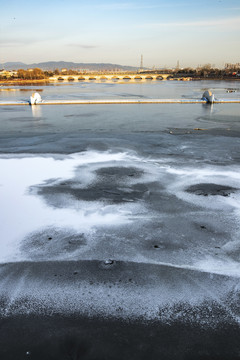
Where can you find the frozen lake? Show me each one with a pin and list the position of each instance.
(155, 189)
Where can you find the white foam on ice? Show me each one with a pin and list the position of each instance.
(224, 176)
(221, 266)
(22, 213)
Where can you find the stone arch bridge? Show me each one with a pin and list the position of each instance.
(104, 77)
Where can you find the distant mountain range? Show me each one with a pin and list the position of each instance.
(52, 65)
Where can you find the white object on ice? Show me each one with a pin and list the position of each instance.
(35, 98)
(208, 96)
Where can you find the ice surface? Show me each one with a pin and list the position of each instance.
(119, 205)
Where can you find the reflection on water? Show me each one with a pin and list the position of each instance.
(208, 108)
(36, 111)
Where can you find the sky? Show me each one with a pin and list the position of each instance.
(164, 32)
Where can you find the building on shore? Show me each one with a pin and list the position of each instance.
(229, 66)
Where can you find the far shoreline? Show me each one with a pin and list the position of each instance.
(19, 82)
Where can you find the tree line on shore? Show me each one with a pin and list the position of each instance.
(201, 72)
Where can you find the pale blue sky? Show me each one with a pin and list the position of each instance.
(193, 32)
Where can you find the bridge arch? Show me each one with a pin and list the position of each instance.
(81, 78)
(60, 78)
(137, 77)
(159, 77)
(70, 78)
(148, 77)
(92, 78)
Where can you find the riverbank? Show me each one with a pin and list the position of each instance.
(19, 82)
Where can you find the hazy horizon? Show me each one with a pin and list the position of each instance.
(119, 32)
